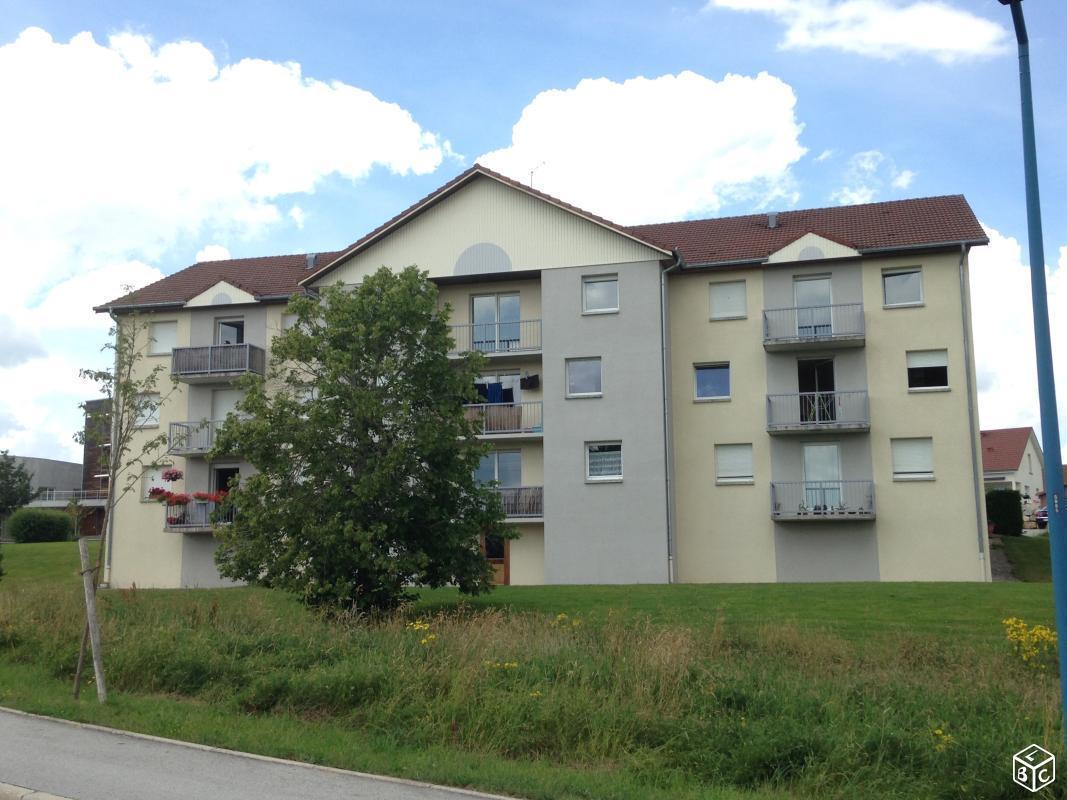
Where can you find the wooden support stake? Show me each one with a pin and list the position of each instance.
(90, 618)
(81, 660)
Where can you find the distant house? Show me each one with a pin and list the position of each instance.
(1012, 459)
(60, 482)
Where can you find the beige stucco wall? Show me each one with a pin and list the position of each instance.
(530, 234)
(527, 555)
(722, 533)
(927, 530)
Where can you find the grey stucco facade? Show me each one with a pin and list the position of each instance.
(605, 532)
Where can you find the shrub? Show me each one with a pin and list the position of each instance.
(1004, 508)
(39, 525)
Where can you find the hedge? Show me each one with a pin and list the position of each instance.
(39, 525)
(1004, 509)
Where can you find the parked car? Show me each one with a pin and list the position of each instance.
(1041, 517)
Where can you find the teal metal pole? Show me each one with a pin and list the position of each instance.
(1046, 380)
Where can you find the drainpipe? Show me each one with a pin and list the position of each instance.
(668, 455)
(976, 468)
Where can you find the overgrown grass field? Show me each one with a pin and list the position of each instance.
(828, 691)
(1029, 557)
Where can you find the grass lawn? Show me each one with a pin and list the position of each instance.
(827, 691)
(1029, 557)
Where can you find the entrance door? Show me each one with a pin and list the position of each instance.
(822, 477)
(815, 382)
(504, 467)
(813, 300)
(496, 322)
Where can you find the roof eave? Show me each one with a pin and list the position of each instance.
(952, 243)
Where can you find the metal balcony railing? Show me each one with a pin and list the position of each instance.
(822, 500)
(506, 418)
(812, 411)
(220, 360)
(813, 324)
(192, 438)
(66, 495)
(523, 502)
(523, 336)
(196, 515)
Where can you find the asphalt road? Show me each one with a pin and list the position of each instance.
(87, 763)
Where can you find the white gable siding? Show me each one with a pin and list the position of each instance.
(487, 226)
(222, 293)
(807, 247)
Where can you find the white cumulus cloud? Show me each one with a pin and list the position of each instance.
(886, 29)
(212, 252)
(119, 155)
(612, 148)
(866, 175)
(1004, 334)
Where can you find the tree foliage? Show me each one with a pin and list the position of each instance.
(365, 460)
(1004, 508)
(16, 484)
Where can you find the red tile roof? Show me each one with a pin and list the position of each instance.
(261, 277)
(874, 226)
(1002, 449)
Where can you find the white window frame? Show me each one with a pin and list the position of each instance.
(911, 475)
(220, 321)
(567, 377)
(711, 300)
(151, 421)
(735, 480)
(153, 350)
(603, 478)
(888, 273)
(697, 397)
(587, 279)
(920, 389)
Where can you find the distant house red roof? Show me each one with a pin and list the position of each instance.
(872, 226)
(1002, 449)
(928, 221)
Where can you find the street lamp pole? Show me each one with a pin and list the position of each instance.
(1046, 381)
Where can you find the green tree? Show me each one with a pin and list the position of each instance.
(365, 459)
(16, 487)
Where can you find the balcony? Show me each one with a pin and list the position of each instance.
(215, 363)
(498, 340)
(523, 503)
(507, 420)
(192, 438)
(814, 327)
(822, 501)
(195, 517)
(814, 412)
(60, 498)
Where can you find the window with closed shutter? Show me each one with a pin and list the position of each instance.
(728, 300)
(733, 463)
(927, 369)
(913, 459)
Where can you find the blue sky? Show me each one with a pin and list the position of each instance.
(860, 101)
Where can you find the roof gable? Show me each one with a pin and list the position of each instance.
(483, 222)
(222, 293)
(811, 247)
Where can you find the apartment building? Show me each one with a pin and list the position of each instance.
(774, 397)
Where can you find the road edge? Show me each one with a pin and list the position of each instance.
(33, 795)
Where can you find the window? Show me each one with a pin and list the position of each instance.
(504, 467)
(927, 369)
(913, 459)
(728, 300)
(600, 294)
(712, 381)
(903, 287)
(148, 405)
(152, 478)
(496, 325)
(733, 463)
(162, 338)
(603, 461)
(583, 377)
(288, 321)
(230, 331)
